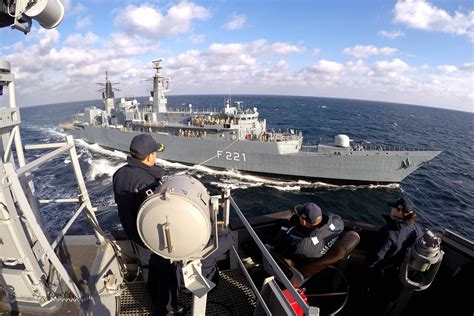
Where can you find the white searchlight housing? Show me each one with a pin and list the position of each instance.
(20, 13)
(176, 222)
(48, 13)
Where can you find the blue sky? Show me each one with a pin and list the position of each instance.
(416, 52)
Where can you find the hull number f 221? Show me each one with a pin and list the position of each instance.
(233, 156)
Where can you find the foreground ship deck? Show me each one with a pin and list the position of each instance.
(339, 289)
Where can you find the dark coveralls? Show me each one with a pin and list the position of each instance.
(301, 243)
(130, 183)
(396, 236)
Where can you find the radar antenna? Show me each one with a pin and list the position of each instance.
(107, 90)
(107, 81)
(161, 85)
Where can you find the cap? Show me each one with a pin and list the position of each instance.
(309, 212)
(144, 144)
(403, 204)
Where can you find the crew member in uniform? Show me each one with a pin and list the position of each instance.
(131, 184)
(309, 233)
(398, 234)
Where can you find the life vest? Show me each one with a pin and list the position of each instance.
(316, 242)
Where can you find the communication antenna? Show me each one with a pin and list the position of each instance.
(107, 90)
(107, 81)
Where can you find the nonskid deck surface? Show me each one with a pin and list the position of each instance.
(233, 296)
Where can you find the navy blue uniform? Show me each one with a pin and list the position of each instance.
(131, 183)
(296, 241)
(396, 237)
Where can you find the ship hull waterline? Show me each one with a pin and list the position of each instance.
(262, 158)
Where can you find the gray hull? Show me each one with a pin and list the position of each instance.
(263, 158)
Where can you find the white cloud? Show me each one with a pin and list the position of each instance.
(326, 67)
(391, 34)
(391, 67)
(281, 65)
(73, 9)
(420, 14)
(83, 22)
(197, 38)
(148, 21)
(236, 23)
(81, 40)
(447, 69)
(468, 68)
(75, 65)
(257, 48)
(281, 49)
(122, 45)
(361, 51)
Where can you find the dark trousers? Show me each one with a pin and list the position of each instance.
(162, 283)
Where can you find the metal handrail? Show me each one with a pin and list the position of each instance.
(276, 268)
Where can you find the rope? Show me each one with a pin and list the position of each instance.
(209, 159)
(427, 201)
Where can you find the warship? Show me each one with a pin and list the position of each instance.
(100, 274)
(236, 138)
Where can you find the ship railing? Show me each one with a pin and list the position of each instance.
(312, 145)
(228, 205)
(284, 138)
(27, 202)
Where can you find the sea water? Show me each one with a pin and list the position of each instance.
(441, 190)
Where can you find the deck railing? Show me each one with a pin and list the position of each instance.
(230, 205)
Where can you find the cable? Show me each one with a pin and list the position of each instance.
(430, 204)
(209, 159)
(336, 293)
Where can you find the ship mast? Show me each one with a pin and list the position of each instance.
(108, 93)
(160, 86)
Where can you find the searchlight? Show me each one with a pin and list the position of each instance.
(176, 221)
(20, 13)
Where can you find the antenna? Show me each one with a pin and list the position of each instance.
(229, 99)
(107, 83)
(157, 65)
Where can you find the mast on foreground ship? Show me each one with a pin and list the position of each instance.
(237, 139)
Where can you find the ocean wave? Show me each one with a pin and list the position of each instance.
(99, 149)
(101, 167)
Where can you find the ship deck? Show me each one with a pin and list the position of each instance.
(232, 296)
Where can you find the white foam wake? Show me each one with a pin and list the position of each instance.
(232, 179)
(101, 150)
(101, 167)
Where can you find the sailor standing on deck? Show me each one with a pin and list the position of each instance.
(398, 234)
(131, 183)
